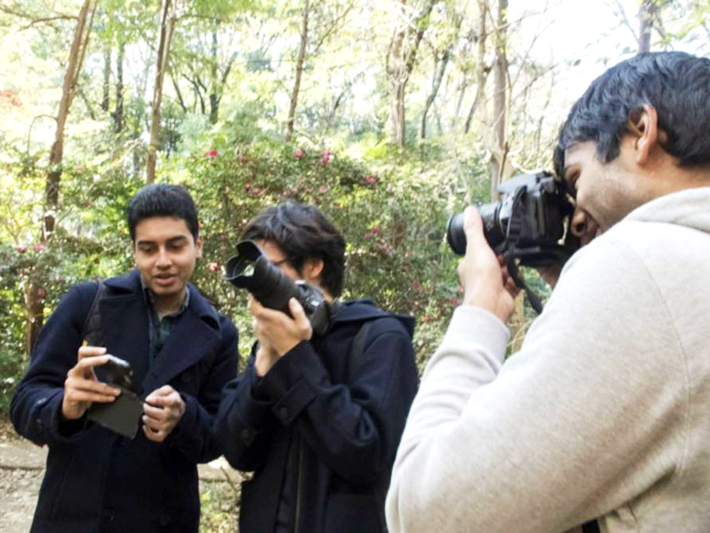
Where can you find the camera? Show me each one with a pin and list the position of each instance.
(250, 269)
(116, 372)
(530, 223)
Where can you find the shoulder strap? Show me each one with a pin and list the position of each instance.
(357, 349)
(358, 345)
(91, 332)
(590, 527)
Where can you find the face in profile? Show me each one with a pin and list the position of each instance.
(604, 192)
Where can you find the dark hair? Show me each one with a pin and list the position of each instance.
(302, 232)
(676, 84)
(162, 200)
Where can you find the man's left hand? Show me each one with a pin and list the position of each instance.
(277, 329)
(163, 409)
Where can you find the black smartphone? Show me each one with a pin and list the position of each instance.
(116, 372)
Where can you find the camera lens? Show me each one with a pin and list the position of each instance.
(455, 235)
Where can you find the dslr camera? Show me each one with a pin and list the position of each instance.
(250, 269)
(529, 223)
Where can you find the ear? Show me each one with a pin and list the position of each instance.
(312, 269)
(198, 246)
(643, 126)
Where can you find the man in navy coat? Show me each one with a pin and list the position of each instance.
(181, 351)
(317, 417)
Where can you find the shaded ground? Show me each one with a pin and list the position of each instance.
(22, 469)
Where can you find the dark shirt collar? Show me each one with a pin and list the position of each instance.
(150, 301)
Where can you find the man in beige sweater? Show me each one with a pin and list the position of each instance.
(604, 414)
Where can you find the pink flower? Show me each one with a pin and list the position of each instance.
(21, 249)
(370, 180)
(39, 247)
(368, 235)
(455, 301)
(376, 229)
(212, 153)
(416, 286)
(326, 157)
(298, 154)
(322, 189)
(213, 266)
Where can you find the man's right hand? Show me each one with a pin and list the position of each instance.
(81, 387)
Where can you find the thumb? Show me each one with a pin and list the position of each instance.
(473, 226)
(299, 315)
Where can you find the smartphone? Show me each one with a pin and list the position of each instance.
(116, 372)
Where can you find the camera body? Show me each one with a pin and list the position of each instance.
(530, 222)
(250, 269)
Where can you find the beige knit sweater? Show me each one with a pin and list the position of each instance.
(605, 411)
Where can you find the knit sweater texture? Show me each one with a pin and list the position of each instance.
(603, 413)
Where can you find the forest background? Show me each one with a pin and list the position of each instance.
(390, 115)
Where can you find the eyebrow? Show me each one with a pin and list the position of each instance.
(173, 240)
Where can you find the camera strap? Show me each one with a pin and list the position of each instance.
(515, 226)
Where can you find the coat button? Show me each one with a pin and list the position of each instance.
(109, 515)
(283, 413)
(186, 378)
(246, 434)
(39, 424)
(164, 520)
(41, 402)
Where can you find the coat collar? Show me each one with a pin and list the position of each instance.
(195, 335)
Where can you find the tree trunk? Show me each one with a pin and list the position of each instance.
(214, 82)
(76, 57)
(34, 304)
(434, 90)
(646, 15)
(481, 68)
(107, 79)
(400, 63)
(299, 72)
(118, 115)
(500, 77)
(167, 25)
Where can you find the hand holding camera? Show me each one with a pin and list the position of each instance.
(484, 276)
(82, 388)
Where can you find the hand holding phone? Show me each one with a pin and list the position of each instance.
(82, 388)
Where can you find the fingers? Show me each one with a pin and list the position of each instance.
(84, 368)
(86, 395)
(158, 394)
(154, 435)
(299, 314)
(473, 224)
(90, 351)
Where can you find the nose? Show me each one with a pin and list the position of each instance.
(163, 260)
(584, 226)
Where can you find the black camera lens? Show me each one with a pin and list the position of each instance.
(455, 235)
(251, 270)
(493, 228)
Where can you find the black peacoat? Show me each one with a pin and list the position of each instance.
(96, 480)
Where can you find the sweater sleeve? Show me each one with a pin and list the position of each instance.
(586, 416)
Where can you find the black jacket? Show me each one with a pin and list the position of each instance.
(324, 425)
(95, 479)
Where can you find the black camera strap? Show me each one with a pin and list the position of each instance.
(515, 227)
